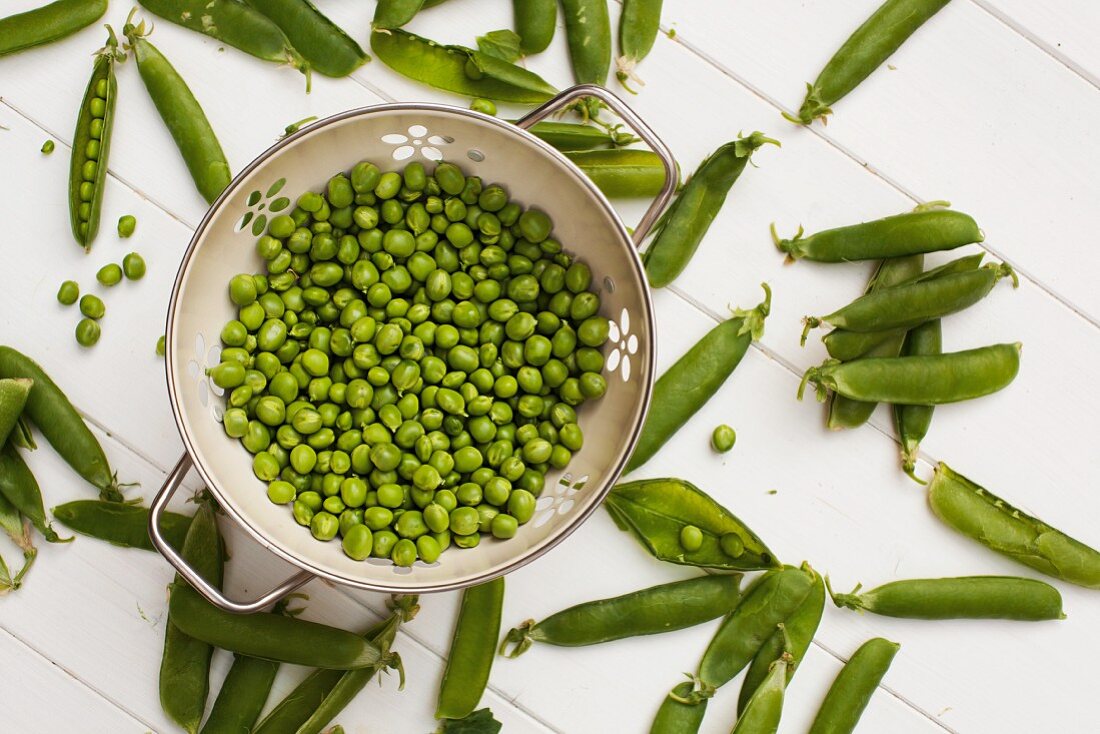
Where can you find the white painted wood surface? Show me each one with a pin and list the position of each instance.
(991, 106)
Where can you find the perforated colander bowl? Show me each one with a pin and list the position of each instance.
(390, 135)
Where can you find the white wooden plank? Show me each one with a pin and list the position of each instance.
(1063, 28)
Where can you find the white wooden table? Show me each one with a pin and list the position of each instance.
(993, 106)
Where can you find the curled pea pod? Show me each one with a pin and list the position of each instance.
(48, 23)
(688, 384)
(864, 51)
(659, 513)
(676, 717)
(19, 486)
(325, 46)
(650, 611)
(242, 696)
(979, 514)
(458, 69)
(13, 398)
(853, 687)
(639, 25)
(535, 21)
(472, 649)
(910, 233)
(91, 144)
(120, 524)
(912, 421)
(622, 174)
(573, 136)
(968, 597)
(684, 224)
(21, 435)
(182, 115)
(763, 711)
(57, 419)
(18, 528)
(588, 31)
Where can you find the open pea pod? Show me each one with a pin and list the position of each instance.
(656, 511)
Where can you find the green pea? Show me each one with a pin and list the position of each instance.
(242, 289)
(384, 542)
(334, 505)
(691, 538)
(592, 384)
(504, 526)
(732, 545)
(358, 542)
(485, 107)
(324, 526)
(303, 514)
(521, 505)
(68, 293)
(578, 277)
(377, 518)
(464, 521)
(87, 332)
(535, 225)
(280, 492)
(404, 552)
(235, 422)
(265, 466)
(723, 438)
(428, 548)
(467, 541)
(109, 275)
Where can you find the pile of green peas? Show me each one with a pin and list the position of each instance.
(409, 367)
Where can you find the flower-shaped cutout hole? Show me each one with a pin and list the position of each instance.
(626, 344)
(417, 139)
(560, 501)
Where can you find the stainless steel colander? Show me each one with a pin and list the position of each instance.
(497, 151)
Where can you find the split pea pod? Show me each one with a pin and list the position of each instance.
(922, 380)
(909, 233)
(912, 421)
(639, 25)
(120, 524)
(48, 23)
(979, 514)
(573, 136)
(664, 608)
(622, 174)
(18, 528)
(864, 51)
(91, 144)
(688, 384)
(968, 597)
(762, 712)
(588, 31)
(185, 664)
(327, 48)
(686, 221)
(182, 115)
(535, 21)
(853, 687)
(658, 511)
(676, 717)
(242, 696)
(57, 419)
(21, 435)
(472, 649)
(21, 489)
(13, 398)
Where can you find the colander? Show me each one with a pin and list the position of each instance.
(533, 173)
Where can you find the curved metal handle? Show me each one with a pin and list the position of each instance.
(210, 592)
(637, 125)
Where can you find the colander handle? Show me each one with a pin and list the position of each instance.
(645, 132)
(210, 592)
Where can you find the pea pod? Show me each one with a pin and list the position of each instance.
(763, 711)
(588, 31)
(459, 69)
(182, 115)
(472, 649)
(684, 224)
(120, 524)
(864, 51)
(854, 685)
(638, 28)
(13, 397)
(18, 528)
(91, 144)
(21, 435)
(655, 511)
(676, 717)
(979, 514)
(968, 597)
(19, 486)
(573, 136)
(535, 21)
(622, 173)
(688, 384)
(298, 705)
(48, 23)
(242, 696)
(327, 48)
(650, 611)
(912, 421)
(390, 14)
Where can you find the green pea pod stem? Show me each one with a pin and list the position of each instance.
(19, 486)
(767, 603)
(676, 717)
(21, 435)
(864, 51)
(18, 528)
(327, 48)
(185, 664)
(622, 174)
(656, 510)
(913, 421)
(688, 384)
(182, 115)
(57, 419)
(234, 23)
(269, 636)
(573, 136)
(446, 67)
(684, 224)
(242, 696)
(979, 514)
(921, 380)
(797, 634)
(763, 711)
(120, 524)
(535, 21)
(588, 31)
(853, 687)
(967, 597)
(638, 28)
(906, 306)
(472, 650)
(650, 611)
(48, 23)
(13, 397)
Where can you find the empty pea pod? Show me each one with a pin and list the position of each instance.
(639, 25)
(684, 224)
(979, 514)
(574, 136)
(48, 23)
(13, 397)
(968, 597)
(857, 681)
(656, 511)
(676, 717)
(912, 421)
(762, 713)
(472, 649)
(327, 48)
(921, 380)
(864, 51)
(650, 611)
(120, 524)
(18, 529)
(19, 486)
(535, 22)
(182, 115)
(622, 174)
(588, 31)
